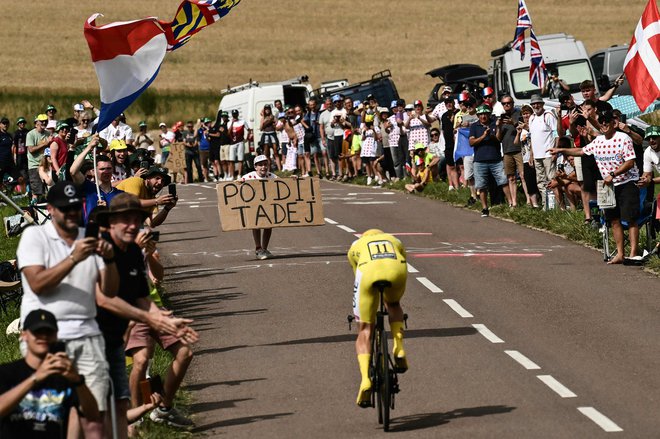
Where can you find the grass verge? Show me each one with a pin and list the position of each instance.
(568, 224)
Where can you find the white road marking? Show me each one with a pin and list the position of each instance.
(556, 386)
(522, 360)
(412, 269)
(369, 193)
(458, 308)
(200, 199)
(345, 228)
(194, 206)
(430, 285)
(370, 202)
(329, 221)
(600, 419)
(487, 333)
(198, 193)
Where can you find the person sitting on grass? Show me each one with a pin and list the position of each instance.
(420, 176)
(566, 178)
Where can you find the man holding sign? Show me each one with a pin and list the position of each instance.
(261, 172)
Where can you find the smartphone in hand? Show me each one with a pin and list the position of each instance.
(92, 230)
(171, 188)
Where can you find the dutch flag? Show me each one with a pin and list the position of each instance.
(127, 57)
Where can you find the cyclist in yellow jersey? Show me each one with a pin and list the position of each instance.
(377, 256)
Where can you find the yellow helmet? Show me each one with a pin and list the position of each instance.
(372, 232)
(368, 118)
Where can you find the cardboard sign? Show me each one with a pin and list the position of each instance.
(281, 202)
(176, 161)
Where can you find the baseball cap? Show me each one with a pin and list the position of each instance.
(487, 91)
(142, 123)
(40, 319)
(162, 124)
(370, 97)
(419, 103)
(20, 120)
(464, 96)
(409, 107)
(64, 194)
(281, 115)
(336, 98)
(51, 107)
(156, 170)
(46, 152)
(419, 146)
(61, 126)
(234, 112)
(78, 107)
(383, 110)
(446, 89)
(393, 104)
(4, 120)
(368, 118)
(42, 117)
(118, 145)
(652, 131)
(206, 120)
(483, 109)
(260, 158)
(122, 203)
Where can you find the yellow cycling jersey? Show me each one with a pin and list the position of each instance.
(376, 257)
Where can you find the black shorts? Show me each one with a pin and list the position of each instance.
(590, 173)
(367, 159)
(214, 153)
(449, 154)
(627, 203)
(36, 185)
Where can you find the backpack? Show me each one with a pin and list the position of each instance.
(8, 272)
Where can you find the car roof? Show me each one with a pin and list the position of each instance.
(458, 72)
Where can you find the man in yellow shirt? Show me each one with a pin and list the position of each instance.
(146, 188)
(377, 256)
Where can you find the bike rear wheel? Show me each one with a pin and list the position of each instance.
(377, 379)
(385, 393)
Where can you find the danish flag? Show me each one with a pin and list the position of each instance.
(641, 66)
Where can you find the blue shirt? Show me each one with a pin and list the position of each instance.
(204, 144)
(489, 148)
(92, 200)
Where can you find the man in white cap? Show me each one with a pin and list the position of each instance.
(261, 172)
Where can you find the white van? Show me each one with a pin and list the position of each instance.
(561, 52)
(249, 99)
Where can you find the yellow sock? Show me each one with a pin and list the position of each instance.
(363, 361)
(397, 335)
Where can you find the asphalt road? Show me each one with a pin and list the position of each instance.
(512, 332)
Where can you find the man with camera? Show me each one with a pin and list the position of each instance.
(512, 153)
(36, 141)
(101, 191)
(554, 87)
(38, 391)
(123, 220)
(61, 268)
(146, 188)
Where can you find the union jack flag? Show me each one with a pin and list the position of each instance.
(524, 22)
(538, 73)
(193, 16)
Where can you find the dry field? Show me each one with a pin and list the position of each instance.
(44, 49)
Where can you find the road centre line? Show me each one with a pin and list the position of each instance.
(477, 255)
(198, 193)
(329, 221)
(412, 269)
(345, 228)
(458, 308)
(430, 285)
(370, 202)
(522, 360)
(350, 194)
(556, 386)
(600, 419)
(487, 333)
(194, 206)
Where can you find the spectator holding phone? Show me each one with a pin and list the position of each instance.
(61, 268)
(554, 86)
(146, 188)
(123, 220)
(38, 391)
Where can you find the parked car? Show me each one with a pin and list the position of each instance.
(381, 85)
(608, 66)
(561, 52)
(459, 77)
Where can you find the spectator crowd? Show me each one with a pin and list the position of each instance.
(92, 276)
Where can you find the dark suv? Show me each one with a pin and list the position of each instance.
(459, 77)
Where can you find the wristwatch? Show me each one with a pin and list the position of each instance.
(612, 174)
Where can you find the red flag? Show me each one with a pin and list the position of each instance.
(641, 66)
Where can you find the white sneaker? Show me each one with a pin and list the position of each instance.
(369, 181)
(171, 417)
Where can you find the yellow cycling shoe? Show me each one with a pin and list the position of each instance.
(364, 397)
(400, 364)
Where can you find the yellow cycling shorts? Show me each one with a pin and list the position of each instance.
(365, 296)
